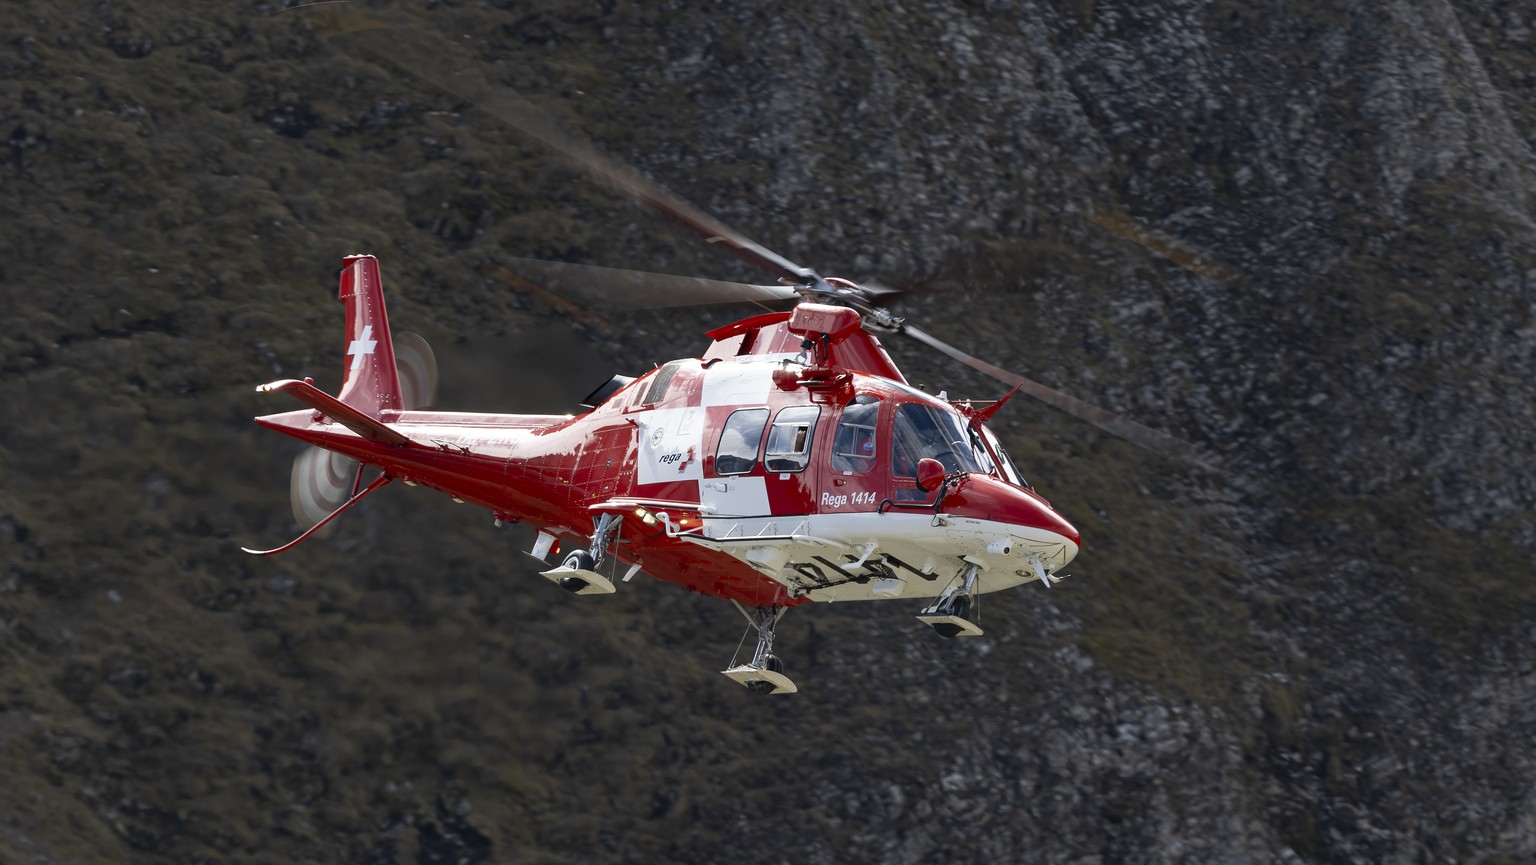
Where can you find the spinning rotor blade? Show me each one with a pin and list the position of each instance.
(878, 290)
(1108, 421)
(320, 483)
(1117, 222)
(416, 366)
(616, 289)
(518, 113)
(386, 44)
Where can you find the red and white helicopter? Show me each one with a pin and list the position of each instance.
(791, 462)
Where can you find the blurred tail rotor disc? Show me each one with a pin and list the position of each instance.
(322, 481)
(417, 366)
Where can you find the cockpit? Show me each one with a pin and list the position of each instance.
(916, 430)
(878, 437)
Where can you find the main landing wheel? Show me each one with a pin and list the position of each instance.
(576, 560)
(577, 573)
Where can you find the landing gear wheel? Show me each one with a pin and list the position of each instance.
(577, 574)
(959, 606)
(765, 673)
(948, 625)
(947, 630)
(950, 615)
(761, 680)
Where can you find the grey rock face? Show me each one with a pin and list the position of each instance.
(1297, 235)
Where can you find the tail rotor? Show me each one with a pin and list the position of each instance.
(417, 368)
(323, 480)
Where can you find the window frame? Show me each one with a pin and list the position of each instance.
(757, 447)
(1005, 464)
(872, 458)
(941, 421)
(804, 453)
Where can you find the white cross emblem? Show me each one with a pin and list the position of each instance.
(361, 347)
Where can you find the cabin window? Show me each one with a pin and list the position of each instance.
(923, 431)
(789, 439)
(743, 432)
(853, 447)
(658, 389)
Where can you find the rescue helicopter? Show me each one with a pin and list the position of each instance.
(789, 463)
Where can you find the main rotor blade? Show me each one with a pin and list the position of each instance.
(1135, 433)
(1118, 222)
(519, 114)
(878, 292)
(609, 288)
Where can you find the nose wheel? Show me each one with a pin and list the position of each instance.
(765, 673)
(950, 615)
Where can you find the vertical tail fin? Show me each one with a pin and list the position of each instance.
(370, 383)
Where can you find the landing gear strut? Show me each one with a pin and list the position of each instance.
(577, 572)
(765, 674)
(949, 615)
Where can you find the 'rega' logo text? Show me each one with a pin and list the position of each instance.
(855, 498)
(683, 460)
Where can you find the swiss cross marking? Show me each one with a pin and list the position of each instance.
(361, 347)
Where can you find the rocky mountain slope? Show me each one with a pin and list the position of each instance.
(1300, 236)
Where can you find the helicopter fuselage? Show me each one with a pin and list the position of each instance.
(779, 468)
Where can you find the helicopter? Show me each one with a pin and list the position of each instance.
(791, 462)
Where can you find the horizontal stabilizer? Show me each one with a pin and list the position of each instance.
(333, 408)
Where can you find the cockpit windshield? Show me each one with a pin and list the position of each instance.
(1010, 471)
(979, 450)
(925, 431)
